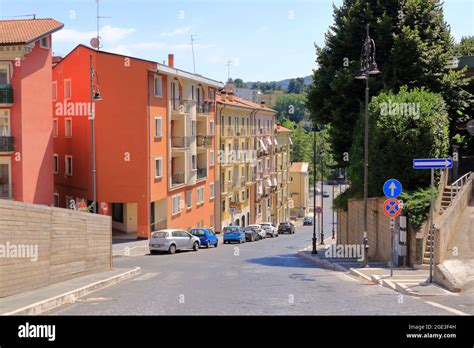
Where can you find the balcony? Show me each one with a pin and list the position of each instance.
(204, 141)
(205, 108)
(230, 131)
(6, 144)
(201, 173)
(177, 179)
(6, 191)
(181, 106)
(6, 95)
(180, 143)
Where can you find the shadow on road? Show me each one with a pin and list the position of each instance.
(283, 260)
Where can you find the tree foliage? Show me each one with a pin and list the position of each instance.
(292, 107)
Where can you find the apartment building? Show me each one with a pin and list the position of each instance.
(282, 201)
(236, 159)
(152, 127)
(299, 189)
(26, 149)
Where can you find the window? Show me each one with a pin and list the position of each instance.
(4, 122)
(200, 195)
(55, 90)
(211, 190)
(211, 128)
(69, 165)
(4, 74)
(158, 167)
(44, 42)
(212, 94)
(193, 162)
(158, 86)
(56, 163)
(176, 202)
(223, 206)
(68, 127)
(158, 127)
(117, 212)
(67, 89)
(193, 127)
(56, 200)
(189, 199)
(222, 124)
(211, 157)
(55, 128)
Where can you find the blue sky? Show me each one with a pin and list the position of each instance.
(265, 39)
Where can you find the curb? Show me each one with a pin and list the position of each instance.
(324, 263)
(355, 272)
(72, 296)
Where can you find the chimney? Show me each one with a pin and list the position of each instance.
(171, 60)
(223, 95)
(262, 104)
(230, 95)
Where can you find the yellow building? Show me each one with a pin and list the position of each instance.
(282, 202)
(299, 188)
(235, 160)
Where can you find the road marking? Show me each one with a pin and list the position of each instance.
(449, 309)
(145, 276)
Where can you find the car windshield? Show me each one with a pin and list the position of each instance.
(198, 233)
(284, 224)
(159, 234)
(231, 229)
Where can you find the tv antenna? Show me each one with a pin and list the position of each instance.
(192, 48)
(96, 41)
(228, 65)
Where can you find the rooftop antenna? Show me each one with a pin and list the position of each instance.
(95, 42)
(229, 63)
(33, 16)
(192, 47)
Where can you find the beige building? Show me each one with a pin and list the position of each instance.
(282, 202)
(299, 188)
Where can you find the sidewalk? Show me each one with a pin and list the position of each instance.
(407, 281)
(44, 299)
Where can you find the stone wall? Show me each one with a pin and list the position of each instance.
(68, 244)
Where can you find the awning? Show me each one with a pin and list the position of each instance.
(263, 145)
(290, 140)
(275, 183)
(275, 141)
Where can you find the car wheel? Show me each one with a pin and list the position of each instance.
(217, 243)
(196, 246)
(208, 244)
(172, 249)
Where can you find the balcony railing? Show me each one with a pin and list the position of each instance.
(182, 106)
(201, 173)
(180, 142)
(205, 107)
(6, 95)
(204, 140)
(230, 131)
(177, 179)
(6, 191)
(6, 144)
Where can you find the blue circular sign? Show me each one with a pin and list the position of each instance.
(392, 188)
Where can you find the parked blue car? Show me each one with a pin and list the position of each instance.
(234, 234)
(206, 236)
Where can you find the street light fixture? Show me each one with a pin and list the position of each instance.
(368, 67)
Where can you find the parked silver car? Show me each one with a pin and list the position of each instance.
(269, 229)
(261, 232)
(172, 240)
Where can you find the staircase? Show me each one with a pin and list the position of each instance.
(449, 193)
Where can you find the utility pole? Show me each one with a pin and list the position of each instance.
(229, 63)
(192, 48)
(315, 251)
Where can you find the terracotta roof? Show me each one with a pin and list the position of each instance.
(25, 31)
(237, 101)
(299, 167)
(281, 129)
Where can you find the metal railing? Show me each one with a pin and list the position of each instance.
(204, 140)
(201, 173)
(180, 142)
(6, 191)
(6, 95)
(458, 185)
(177, 179)
(6, 144)
(182, 106)
(206, 107)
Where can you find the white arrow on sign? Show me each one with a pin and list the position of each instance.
(392, 188)
(432, 163)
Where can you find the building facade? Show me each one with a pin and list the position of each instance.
(26, 149)
(282, 202)
(299, 189)
(152, 140)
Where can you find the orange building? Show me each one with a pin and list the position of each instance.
(153, 139)
(26, 161)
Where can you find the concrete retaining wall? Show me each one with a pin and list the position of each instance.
(68, 244)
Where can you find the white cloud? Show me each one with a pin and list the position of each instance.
(149, 45)
(178, 31)
(110, 35)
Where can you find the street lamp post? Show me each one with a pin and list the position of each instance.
(368, 67)
(95, 96)
(333, 219)
(315, 251)
(321, 156)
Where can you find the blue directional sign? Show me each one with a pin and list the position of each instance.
(432, 163)
(392, 188)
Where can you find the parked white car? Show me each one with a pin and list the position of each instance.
(261, 232)
(171, 240)
(269, 229)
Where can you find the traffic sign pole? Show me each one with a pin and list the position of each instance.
(392, 225)
(431, 226)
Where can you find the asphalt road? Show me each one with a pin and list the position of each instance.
(260, 278)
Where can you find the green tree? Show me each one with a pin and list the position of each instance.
(413, 47)
(239, 83)
(292, 107)
(296, 85)
(465, 47)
